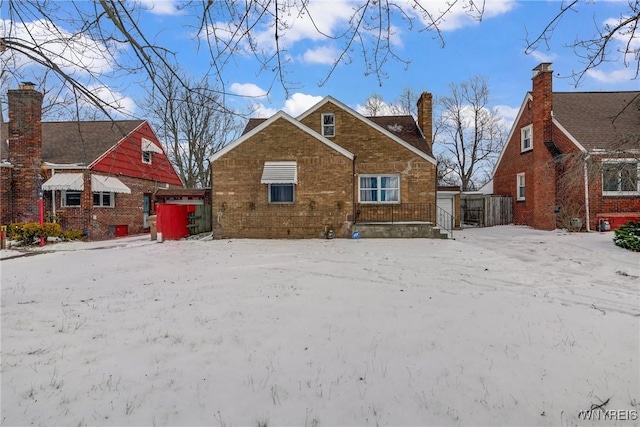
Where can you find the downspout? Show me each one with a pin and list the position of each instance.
(586, 192)
(53, 199)
(353, 190)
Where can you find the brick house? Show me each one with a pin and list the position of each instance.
(572, 158)
(289, 177)
(98, 177)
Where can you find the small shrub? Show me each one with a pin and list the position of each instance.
(72, 234)
(28, 232)
(628, 236)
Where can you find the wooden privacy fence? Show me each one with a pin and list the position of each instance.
(487, 210)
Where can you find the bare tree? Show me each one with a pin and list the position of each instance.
(615, 40)
(467, 132)
(406, 103)
(89, 44)
(192, 125)
(375, 106)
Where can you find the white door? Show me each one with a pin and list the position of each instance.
(445, 213)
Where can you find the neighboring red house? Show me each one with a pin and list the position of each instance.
(572, 158)
(330, 171)
(98, 177)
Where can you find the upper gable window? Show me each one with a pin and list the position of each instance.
(146, 157)
(328, 124)
(526, 138)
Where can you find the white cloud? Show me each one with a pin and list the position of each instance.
(161, 7)
(119, 104)
(462, 13)
(543, 57)
(248, 89)
(72, 52)
(507, 114)
(321, 55)
(298, 103)
(262, 112)
(383, 109)
(615, 76)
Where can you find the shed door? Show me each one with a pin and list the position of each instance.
(445, 205)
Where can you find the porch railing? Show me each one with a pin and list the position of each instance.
(445, 220)
(397, 212)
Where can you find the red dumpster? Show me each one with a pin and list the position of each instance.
(172, 221)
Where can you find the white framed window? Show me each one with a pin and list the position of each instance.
(379, 188)
(328, 124)
(147, 157)
(282, 193)
(520, 186)
(526, 138)
(103, 199)
(620, 177)
(71, 198)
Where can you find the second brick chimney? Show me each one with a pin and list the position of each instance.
(425, 117)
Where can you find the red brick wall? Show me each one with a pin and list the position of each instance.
(100, 222)
(25, 152)
(6, 195)
(600, 204)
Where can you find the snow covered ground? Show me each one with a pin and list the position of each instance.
(502, 326)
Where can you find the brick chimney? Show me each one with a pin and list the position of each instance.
(543, 167)
(543, 99)
(25, 150)
(425, 117)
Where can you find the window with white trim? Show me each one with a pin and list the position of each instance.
(520, 186)
(103, 199)
(379, 188)
(526, 138)
(71, 198)
(281, 193)
(620, 177)
(147, 157)
(328, 124)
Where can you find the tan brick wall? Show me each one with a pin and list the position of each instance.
(323, 194)
(378, 154)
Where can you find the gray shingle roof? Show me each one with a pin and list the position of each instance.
(403, 127)
(598, 120)
(79, 142)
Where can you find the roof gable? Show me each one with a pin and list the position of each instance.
(380, 123)
(82, 142)
(258, 126)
